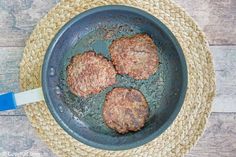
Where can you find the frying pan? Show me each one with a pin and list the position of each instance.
(80, 117)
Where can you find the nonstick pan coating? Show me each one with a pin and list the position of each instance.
(94, 30)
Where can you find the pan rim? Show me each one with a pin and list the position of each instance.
(56, 116)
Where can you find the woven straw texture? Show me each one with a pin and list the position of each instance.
(190, 122)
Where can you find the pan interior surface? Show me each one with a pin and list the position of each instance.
(95, 30)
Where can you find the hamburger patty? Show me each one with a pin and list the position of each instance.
(125, 110)
(89, 73)
(135, 56)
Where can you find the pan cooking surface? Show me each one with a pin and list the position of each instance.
(95, 30)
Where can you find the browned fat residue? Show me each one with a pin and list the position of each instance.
(109, 34)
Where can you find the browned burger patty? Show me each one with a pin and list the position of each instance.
(89, 73)
(135, 56)
(125, 110)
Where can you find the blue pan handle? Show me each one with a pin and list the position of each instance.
(11, 101)
(7, 102)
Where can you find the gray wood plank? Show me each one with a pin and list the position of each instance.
(18, 18)
(9, 73)
(219, 138)
(224, 58)
(9, 69)
(217, 18)
(18, 139)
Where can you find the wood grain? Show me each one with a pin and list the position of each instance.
(216, 18)
(9, 69)
(219, 138)
(9, 73)
(224, 58)
(18, 139)
(18, 18)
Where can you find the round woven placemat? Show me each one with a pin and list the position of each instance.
(190, 122)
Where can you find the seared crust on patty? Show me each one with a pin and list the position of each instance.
(125, 110)
(135, 56)
(89, 73)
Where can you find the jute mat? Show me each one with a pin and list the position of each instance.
(191, 120)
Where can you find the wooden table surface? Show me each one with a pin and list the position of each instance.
(217, 18)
